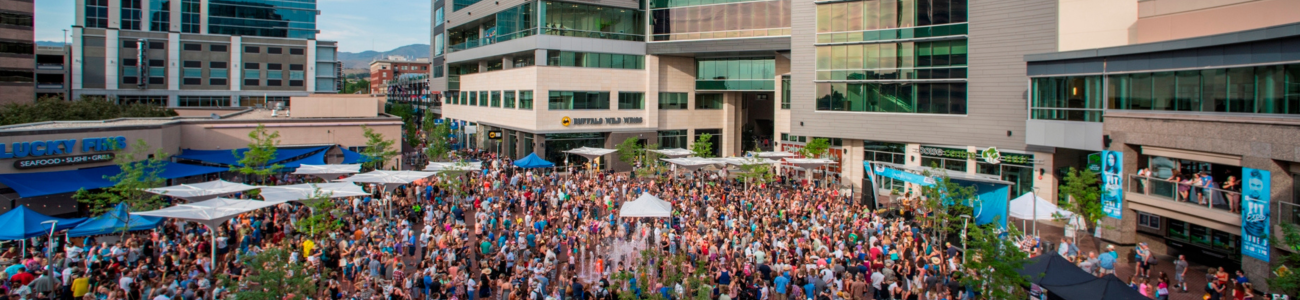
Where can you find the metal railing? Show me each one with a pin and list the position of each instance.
(1288, 212)
(1183, 192)
(470, 44)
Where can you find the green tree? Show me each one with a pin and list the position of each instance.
(357, 87)
(756, 173)
(438, 138)
(322, 218)
(993, 262)
(1081, 188)
(703, 146)
(945, 201)
(85, 109)
(650, 162)
(140, 171)
(378, 150)
(629, 151)
(815, 148)
(262, 147)
(1287, 279)
(273, 277)
(410, 133)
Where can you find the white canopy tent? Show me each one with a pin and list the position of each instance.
(646, 206)
(809, 163)
(299, 192)
(328, 172)
(203, 190)
(211, 213)
(673, 152)
(1030, 207)
(772, 154)
(693, 163)
(745, 161)
(390, 179)
(454, 166)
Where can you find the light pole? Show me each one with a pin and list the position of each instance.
(965, 221)
(49, 254)
(1035, 211)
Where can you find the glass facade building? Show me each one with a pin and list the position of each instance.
(160, 15)
(592, 21)
(131, 14)
(678, 20)
(736, 74)
(268, 18)
(97, 13)
(594, 60)
(190, 10)
(1071, 98)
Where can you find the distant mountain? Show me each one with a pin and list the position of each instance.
(49, 43)
(362, 60)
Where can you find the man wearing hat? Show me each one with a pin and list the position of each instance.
(1107, 260)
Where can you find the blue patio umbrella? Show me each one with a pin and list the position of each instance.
(22, 222)
(115, 221)
(532, 161)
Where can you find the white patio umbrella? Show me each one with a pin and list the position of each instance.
(772, 154)
(299, 192)
(745, 161)
(211, 213)
(454, 166)
(693, 163)
(590, 153)
(673, 152)
(390, 179)
(809, 163)
(328, 172)
(202, 191)
(646, 206)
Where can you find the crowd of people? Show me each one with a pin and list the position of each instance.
(517, 234)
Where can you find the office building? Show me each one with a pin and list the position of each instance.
(52, 72)
(1202, 98)
(17, 51)
(223, 53)
(382, 71)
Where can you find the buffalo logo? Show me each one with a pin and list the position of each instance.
(566, 121)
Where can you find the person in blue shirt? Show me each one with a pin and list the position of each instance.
(780, 285)
(1107, 260)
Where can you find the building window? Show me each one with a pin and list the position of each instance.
(297, 75)
(160, 15)
(157, 45)
(483, 98)
(592, 21)
(131, 14)
(295, 67)
(631, 100)
(785, 92)
(17, 75)
(729, 20)
(150, 100)
(1066, 98)
(17, 47)
(716, 139)
(437, 16)
(1149, 221)
(673, 139)
(252, 49)
(496, 98)
(673, 100)
(193, 47)
(594, 60)
(522, 61)
(218, 64)
(252, 66)
(1271, 89)
(203, 101)
(928, 98)
(296, 51)
(736, 74)
(566, 100)
(218, 73)
(274, 50)
(25, 20)
(282, 19)
(473, 98)
(274, 66)
(889, 20)
(708, 101)
(274, 82)
(190, 16)
(97, 13)
(892, 61)
(192, 64)
(295, 83)
(526, 100)
(509, 99)
(218, 48)
(438, 43)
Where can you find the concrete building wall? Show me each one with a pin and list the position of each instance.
(1087, 24)
(334, 107)
(18, 92)
(1163, 20)
(234, 135)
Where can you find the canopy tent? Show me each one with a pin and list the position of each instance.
(772, 154)
(49, 183)
(22, 222)
(991, 195)
(1050, 270)
(203, 190)
(646, 206)
(231, 157)
(673, 152)
(352, 157)
(328, 172)
(299, 192)
(211, 213)
(390, 179)
(809, 163)
(590, 153)
(1030, 207)
(114, 221)
(693, 163)
(532, 161)
(454, 166)
(744, 161)
(317, 158)
(1108, 287)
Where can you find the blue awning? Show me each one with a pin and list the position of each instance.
(315, 159)
(352, 157)
(49, 183)
(228, 157)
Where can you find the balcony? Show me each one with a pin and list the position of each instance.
(470, 44)
(58, 66)
(57, 86)
(1184, 192)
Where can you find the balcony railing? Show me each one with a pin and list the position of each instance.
(1191, 193)
(58, 66)
(492, 40)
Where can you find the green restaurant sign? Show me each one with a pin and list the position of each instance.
(989, 155)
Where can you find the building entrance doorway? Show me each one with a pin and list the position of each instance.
(757, 129)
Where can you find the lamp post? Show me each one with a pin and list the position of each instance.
(1035, 210)
(965, 221)
(49, 254)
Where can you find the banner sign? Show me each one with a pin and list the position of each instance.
(62, 161)
(1255, 213)
(1112, 188)
(989, 155)
(904, 176)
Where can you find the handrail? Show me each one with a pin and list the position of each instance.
(1194, 193)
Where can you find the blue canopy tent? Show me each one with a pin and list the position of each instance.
(22, 222)
(532, 161)
(352, 157)
(49, 183)
(115, 221)
(228, 157)
(992, 195)
(315, 159)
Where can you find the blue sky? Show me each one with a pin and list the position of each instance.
(358, 25)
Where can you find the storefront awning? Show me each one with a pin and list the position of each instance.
(315, 159)
(49, 183)
(352, 157)
(228, 157)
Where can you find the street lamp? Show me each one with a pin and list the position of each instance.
(965, 221)
(1035, 211)
(49, 254)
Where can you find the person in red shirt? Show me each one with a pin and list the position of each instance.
(23, 276)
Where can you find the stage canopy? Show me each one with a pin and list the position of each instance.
(22, 222)
(744, 161)
(328, 172)
(673, 152)
(1069, 282)
(646, 206)
(202, 191)
(117, 220)
(590, 153)
(49, 183)
(211, 213)
(532, 161)
(992, 194)
(299, 192)
(1023, 208)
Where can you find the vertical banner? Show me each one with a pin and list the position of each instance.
(1112, 188)
(1255, 213)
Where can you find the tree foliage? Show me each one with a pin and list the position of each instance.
(261, 150)
(86, 109)
(650, 164)
(437, 138)
(322, 218)
(356, 87)
(815, 148)
(756, 173)
(945, 202)
(993, 262)
(703, 146)
(378, 150)
(630, 150)
(410, 132)
(273, 277)
(1084, 195)
(140, 171)
(1287, 280)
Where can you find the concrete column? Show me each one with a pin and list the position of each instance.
(203, 16)
(111, 57)
(730, 123)
(539, 145)
(174, 60)
(175, 22)
(972, 164)
(78, 54)
(145, 17)
(237, 65)
(652, 91)
(309, 76)
(1046, 183)
(115, 14)
(913, 155)
(851, 171)
(539, 57)
(507, 63)
(80, 17)
(1122, 232)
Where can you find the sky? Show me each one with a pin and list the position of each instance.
(358, 25)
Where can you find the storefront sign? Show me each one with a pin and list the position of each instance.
(60, 147)
(1112, 176)
(566, 121)
(1094, 162)
(990, 155)
(1255, 213)
(62, 161)
(494, 134)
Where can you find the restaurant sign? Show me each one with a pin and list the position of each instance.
(990, 155)
(566, 121)
(62, 161)
(60, 147)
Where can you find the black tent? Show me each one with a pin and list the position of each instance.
(1065, 280)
